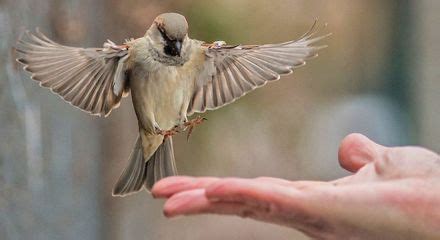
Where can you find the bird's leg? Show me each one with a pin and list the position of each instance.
(189, 125)
(168, 133)
(185, 126)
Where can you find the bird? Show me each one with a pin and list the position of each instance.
(170, 77)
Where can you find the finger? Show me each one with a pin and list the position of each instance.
(356, 151)
(195, 202)
(365, 174)
(274, 203)
(272, 180)
(250, 198)
(252, 192)
(186, 202)
(172, 185)
(304, 185)
(296, 184)
(343, 180)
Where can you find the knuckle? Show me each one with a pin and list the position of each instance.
(384, 161)
(397, 161)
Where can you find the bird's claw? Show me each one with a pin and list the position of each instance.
(168, 133)
(186, 126)
(189, 125)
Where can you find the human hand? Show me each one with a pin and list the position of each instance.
(394, 194)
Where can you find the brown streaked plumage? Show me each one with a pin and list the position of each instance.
(170, 77)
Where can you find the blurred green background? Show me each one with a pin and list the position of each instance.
(379, 76)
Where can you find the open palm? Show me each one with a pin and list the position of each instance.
(394, 193)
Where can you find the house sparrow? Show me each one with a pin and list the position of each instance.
(170, 77)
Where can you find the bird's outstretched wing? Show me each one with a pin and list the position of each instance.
(230, 72)
(92, 79)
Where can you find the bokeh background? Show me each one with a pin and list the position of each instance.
(379, 76)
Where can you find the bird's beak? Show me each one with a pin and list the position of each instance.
(173, 48)
(178, 47)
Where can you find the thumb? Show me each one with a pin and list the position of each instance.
(356, 150)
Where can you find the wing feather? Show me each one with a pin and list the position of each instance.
(92, 79)
(230, 72)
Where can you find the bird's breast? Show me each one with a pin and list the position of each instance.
(160, 96)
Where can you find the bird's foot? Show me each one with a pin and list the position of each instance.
(186, 126)
(168, 133)
(189, 125)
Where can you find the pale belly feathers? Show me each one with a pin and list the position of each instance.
(160, 98)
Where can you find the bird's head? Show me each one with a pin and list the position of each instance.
(169, 37)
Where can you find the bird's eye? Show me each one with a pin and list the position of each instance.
(164, 35)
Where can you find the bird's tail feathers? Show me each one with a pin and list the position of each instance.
(140, 173)
(162, 164)
(132, 178)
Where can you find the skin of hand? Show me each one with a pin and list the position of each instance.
(394, 193)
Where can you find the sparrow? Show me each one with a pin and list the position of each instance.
(170, 77)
